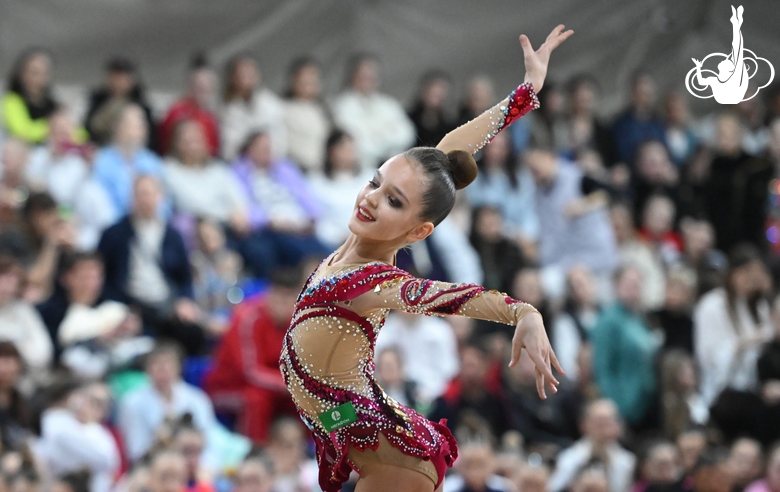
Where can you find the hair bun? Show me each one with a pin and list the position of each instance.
(463, 168)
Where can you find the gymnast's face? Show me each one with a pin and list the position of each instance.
(388, 207)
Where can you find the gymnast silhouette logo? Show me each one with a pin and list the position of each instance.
(730, 84)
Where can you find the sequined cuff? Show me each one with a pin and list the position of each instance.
(522, 101)
(520, 309)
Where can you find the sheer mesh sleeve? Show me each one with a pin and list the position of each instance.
(477, 133)
(431, 297)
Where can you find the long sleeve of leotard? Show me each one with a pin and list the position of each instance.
(393, 288)
(478, 132)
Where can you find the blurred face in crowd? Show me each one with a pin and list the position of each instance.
(582, 285)
(10, 282)
(481, 95)
(281, 303)
(36, 74)
(435, 93)
(489, 224)
(164, 369)
(476, 465)
(773, 470)
(622, 223)
(690, 446)
(554, 102)
(15, 153)
(259, 151)
(210, 237)
(99, 395)
(192, 148)
(306, 83)
(120, 82)
(643, 93)
(533, 479)
(253, 476)
(388, 207)
(146, 198)
(728, 135)
(629, 289)
(343, 156)
(287, 447)
(654, 163)
(676, 109)
(591, 481)
(168, 473)
(497, 151)
(245, 77)
(201, 86)
(473, 367)
(389, 369)
(189, 443)
(745, 460)
(528, 287)
(131, 128)
(10, 370)
(365, 78)
(84, 281)
(659, 216)
(60, 129)
(748, 279)
(679, 293)
(543, 166)
(583, 98)
(661, 466)
(601, 424)
(698, 237)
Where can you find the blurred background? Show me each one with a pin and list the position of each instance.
(172, 171)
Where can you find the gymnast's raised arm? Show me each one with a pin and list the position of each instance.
(475, 134)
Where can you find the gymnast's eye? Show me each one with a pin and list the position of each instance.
(394, 202)
(373, 184)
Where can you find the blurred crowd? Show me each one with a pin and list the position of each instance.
(150, 258)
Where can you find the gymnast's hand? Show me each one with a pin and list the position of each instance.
(530, 335)
(536, 61)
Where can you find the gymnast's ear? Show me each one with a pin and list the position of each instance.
(420, 232)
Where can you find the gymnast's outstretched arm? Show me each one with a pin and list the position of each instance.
(475, 134)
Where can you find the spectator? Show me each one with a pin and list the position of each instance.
(638, 122)
(107, 103)
(14, 415)
(592, 479)
(142, 411)
(572, 327)
(658, 230)
(575, 227)
(119, 164)
(199, 185)
(336, 187)
(14, 189)
(391, 376)
(246, 363)
(195, 105)
(94, 335)
(431, 122)
(167, 472)
(249, 107)
(700, 255)
(660, 469)
(585, 131)
(680, 138)
(549, 128)
(293, 470)
(602, 429)
(20, 322)
(282, 209)
(681, 403)
(624, 350)
(189, 442)
(29, 103)
(635, 252)
(655, 174)
(675, 318)
(73, 438)
(541, 422)
(216, 270)
(769, 377)
(147, 268)
(306, 118)
(415, 337)
(502, 185)
(752, 113)
(377, 121)
(760, 205)
(37, 241)
(533, 478)
(746, 461)
(475, 467)
(771, 480)
(500, 257)
(472, 401)
(730, 325)
(691, 443)
(480, 96)
(255, 474)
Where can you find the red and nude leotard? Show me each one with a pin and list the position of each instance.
(328, 354)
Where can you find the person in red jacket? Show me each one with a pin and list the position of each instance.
(195, 105)
(246, 378)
